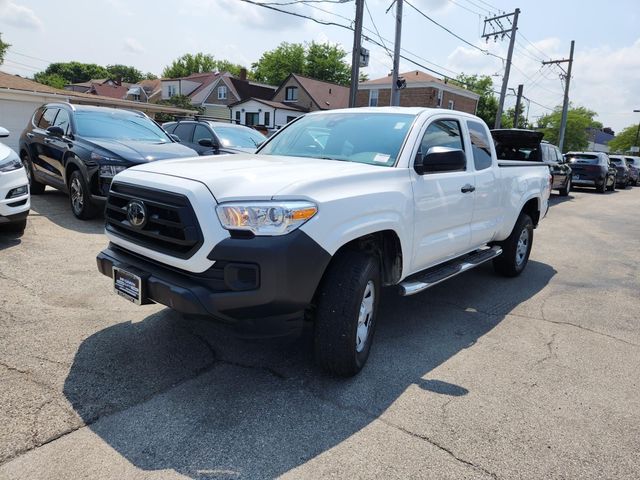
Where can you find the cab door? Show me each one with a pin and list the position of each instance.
(443, 201)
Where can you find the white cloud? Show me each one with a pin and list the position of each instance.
(133, 46)
(242, 13)
(19, 16)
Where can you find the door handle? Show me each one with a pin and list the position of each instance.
(468, 188)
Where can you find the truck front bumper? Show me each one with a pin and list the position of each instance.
(261, 285)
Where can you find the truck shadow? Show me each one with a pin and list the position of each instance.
(171, 393)
(54, 205)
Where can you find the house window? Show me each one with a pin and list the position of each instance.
(267, 118)
(238, 116)
(222, 92)
(251, 118)
(171, 91)
(135, 97)
(373, 98)
(291, 94)
(450, 104)
(439, 104)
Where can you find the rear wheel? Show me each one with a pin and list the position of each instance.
(35, 187)
(612, 187)
(346, 313)
(567, 188)
(80, 198)
(516, 248)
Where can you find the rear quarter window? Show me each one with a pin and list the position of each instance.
(480, 145)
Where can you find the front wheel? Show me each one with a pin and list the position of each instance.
(347, 305)
(80, 198)
(516, 248)
(567, 188)
(35, 187)
(612, 187)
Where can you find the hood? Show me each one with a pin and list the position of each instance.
(138, 151)
(247, 176)
(5, 151)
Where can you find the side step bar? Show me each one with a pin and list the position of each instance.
(432, 276)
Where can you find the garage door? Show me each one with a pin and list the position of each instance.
(14, 116)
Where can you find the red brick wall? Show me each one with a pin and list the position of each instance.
(419, 97)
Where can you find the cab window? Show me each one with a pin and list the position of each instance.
(442, 133)
(480, 145)
(62, 121)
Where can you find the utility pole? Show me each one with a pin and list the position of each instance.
(395, 86)
(496, 30)
(355, 54)
(565, 103)
(516, 115)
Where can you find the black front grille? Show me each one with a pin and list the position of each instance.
(171, 227)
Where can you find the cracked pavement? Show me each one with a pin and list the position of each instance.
(479, 377)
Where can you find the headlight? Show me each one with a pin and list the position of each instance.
(110, 171)
(265, 218)
(10, 163)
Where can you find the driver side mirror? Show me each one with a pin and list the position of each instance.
(440, 159)
(55, 131)
(208, 142)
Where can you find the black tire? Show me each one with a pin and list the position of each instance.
(603, 188)
(16, 227)
(511, 262)
(80, 198)
(611, 188)
(567, 188)
(341, 295)
(35, 187)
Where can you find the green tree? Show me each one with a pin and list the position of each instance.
(53, 80)
(150, 76)
(576, 137)
(189, 64)
(72, 72)
(3, 49)
(324, 62)
(625, 139)
(276, 65)
(508, 117)
(124, 73)
(483, 86)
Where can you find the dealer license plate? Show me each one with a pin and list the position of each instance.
(128, 285)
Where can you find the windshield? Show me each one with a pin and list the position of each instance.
(239, 137)
(617, 161)
(118, 125)
(372, 138)
(583, 158)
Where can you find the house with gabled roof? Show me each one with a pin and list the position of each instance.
(216, 91)
(296, 96)
(421, 90)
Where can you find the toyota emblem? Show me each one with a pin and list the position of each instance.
(136, 213)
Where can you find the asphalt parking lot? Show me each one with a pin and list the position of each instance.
(481, 376)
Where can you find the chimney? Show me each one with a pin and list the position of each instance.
(243, 74)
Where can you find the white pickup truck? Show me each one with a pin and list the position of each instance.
(333, 207)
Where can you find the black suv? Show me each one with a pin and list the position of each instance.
(592, 169)
(78, 149)
(215, 138)
(623, 175)
(521, 144)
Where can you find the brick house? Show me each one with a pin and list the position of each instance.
(422, 90)
(296, 96)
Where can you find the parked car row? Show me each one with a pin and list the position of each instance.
(79, 149)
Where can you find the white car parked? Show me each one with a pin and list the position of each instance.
(14, 190)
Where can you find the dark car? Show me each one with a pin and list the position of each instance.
(521, 144)
(592, 169)
(79, 149)
(623, 177)
(215, 138)
(634, 169)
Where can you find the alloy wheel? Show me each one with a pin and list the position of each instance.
(77, 195)
(365, 316)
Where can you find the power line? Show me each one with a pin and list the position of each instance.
(307, 17)
(366, 6)
(479, 6)
(294, 2)
(496, 9)
(466, 8)
(486, 52)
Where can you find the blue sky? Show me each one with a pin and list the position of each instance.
(149, 35)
